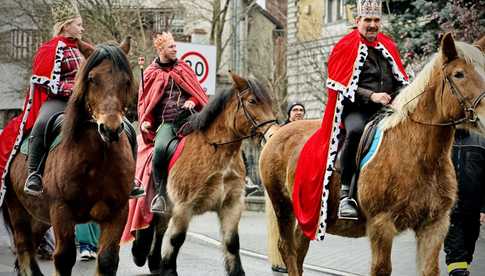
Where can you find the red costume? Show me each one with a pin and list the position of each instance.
(155, 81)
(46, 78)
(317, 158)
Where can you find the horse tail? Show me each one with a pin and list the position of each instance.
(273, 234)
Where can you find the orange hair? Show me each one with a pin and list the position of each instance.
(161, 40)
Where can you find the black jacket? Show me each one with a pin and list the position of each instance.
(469, 159)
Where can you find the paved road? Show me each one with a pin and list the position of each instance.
(202, 256)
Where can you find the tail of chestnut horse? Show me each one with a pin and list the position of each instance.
(273, 235)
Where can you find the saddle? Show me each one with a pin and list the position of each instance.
(52, 134)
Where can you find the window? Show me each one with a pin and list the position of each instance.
(19, 44)
(335, 10)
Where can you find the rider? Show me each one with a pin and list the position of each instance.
(377, 81)
(54, 69)
(169, 88)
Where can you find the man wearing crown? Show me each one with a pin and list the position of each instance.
(364, 74)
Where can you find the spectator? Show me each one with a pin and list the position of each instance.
(88, 238)
(469, 211)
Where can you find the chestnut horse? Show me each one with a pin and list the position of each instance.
(409, 184)
(87, 176)
(209, 176)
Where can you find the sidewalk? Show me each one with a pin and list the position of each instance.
(344, 254)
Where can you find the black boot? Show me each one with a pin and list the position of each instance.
(136, 189)
(33, 185)
(348, 206)
(459, 272)
(159, 203)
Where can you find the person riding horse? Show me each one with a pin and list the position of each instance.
(377, 85)
(169, 89)
(54, 69)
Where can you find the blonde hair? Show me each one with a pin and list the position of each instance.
(59, 26)
(160, 41)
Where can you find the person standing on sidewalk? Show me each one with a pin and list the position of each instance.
(88, 237)
(468, 156)
(296, 111)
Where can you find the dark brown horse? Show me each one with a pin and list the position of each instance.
(88, 176)
(409, 184)
(209, 176)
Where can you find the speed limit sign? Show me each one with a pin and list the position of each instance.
(202, 60)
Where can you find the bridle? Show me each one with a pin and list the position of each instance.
(250, 118)
(468, 107)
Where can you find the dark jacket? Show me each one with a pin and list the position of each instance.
(469, 159)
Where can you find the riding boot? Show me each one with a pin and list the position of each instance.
(165, 143)
(348, 206)
(33, 185)
(136, 189)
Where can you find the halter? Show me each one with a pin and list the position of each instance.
(254, 124)
(469, 108)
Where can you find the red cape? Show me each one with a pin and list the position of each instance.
(316, 162)
(155, 80)
(46, 70)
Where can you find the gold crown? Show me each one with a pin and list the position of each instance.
(369, 8)
(63, 10)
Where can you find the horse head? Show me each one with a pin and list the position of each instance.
(103, 89)
(462, 69)
(253, 112)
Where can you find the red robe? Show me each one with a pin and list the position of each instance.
(316, 162)
(46, 70)
(155, 80)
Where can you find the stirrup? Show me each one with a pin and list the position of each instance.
(158, 208)
(28, 189)
(137, 192)
(349, 201)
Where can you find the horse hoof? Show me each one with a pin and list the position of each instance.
(169, 272)
(154, 264)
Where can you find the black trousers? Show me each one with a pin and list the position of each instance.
(354, 119)
(37, 148)
(462, 236)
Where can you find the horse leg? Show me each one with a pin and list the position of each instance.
(142, 244)
(155, 256)
(381, 231)
(430, 239)
(283, 209)
(19, 220)
(109, 243)
(229, 216)
(65, 252)
(302, 244)
(174, 238)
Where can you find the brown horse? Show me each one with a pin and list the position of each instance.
(88, 176)
(410, 182)
(209, 176)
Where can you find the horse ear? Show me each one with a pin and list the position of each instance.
(448, 48)
(239, 82)
(126, 44)
(481, 43)
(85, 48)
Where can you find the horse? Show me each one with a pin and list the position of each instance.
(209, 176)
(410, 182)
(87, 176)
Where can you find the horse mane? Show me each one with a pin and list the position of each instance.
(408, 98)
(203, 119)
(76, 113)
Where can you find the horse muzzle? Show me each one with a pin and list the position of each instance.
(110, 134)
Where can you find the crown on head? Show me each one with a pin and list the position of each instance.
(369, 8)
(63, 10)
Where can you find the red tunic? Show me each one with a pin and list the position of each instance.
(46, 80)
(155, 81)
(316, 162)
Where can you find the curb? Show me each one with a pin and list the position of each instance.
(254, 203)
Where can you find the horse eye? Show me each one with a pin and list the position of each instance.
(252, 101)
(459, 75)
